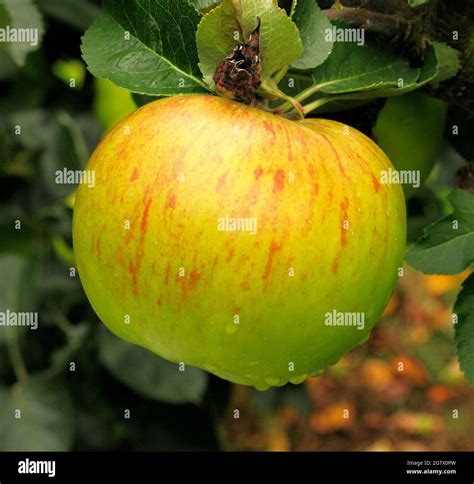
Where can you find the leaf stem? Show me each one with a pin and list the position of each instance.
(63, 323)
(300, 97)
(16, 358)
(316, 104)
(280, 74)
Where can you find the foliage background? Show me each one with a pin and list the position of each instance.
(86, 409)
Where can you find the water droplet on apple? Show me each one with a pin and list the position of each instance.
(296, 380)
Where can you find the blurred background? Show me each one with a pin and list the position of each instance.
(80, 388)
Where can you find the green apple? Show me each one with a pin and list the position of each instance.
(226, 237)
(111, 103)
(409, 130)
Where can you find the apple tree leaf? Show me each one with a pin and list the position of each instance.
(351, 68)
(232, 22)
(447, 247)
(18, 291)
(148, 374)
(464, 329)
(148, 48)
(79, 14)
(448, 62)
(312, 24)
(37, 415)
(201, 5)
(427, 72)
(21, 16)
(294, 82)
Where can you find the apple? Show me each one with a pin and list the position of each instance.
(226, 237)
(111, 103)
(409, 129)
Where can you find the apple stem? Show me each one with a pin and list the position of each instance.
(270, 87)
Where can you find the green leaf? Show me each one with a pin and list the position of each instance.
(448, 62)
(231, 24)
(150, 375)
(18, 291)
(76, 337)
(294, 82)
(36, 128)
(79, 14)
(312, 24)
(8, 68)
(148, 50)
(66, 150)
(448, 245)
(47, 421)
(464, 329)
(23, 19)
(353, 68)
(416, 3)
(200, 5)
(10, 287)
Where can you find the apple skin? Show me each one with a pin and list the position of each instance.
(176, 166)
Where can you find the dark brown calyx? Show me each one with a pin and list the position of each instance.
(239, 75)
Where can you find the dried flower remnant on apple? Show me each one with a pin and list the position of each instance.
(239, 75)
